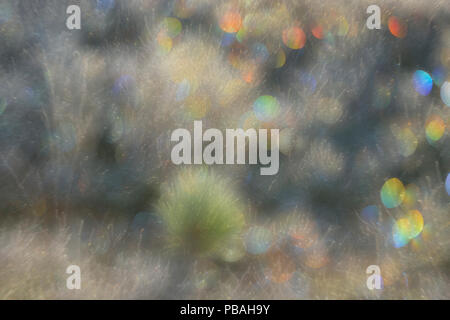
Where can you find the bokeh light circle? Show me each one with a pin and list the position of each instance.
(228, 39)
(435, 128)
(294, 38)
(266, 108)
(164, 41)
(423, 83)
(171, 26)
(280, 59)
(231, 22)
(445, 93)
(415, 219)
(407, 228)
(392, 193)
(397, 27)
(242, 34)
(447, 184)
(399, 232)
(317, 31)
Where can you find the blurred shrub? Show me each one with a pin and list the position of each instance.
(201, 213)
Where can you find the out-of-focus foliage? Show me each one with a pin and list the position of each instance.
(201, 213)
(86, 176)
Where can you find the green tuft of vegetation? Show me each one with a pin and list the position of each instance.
(201, 213)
